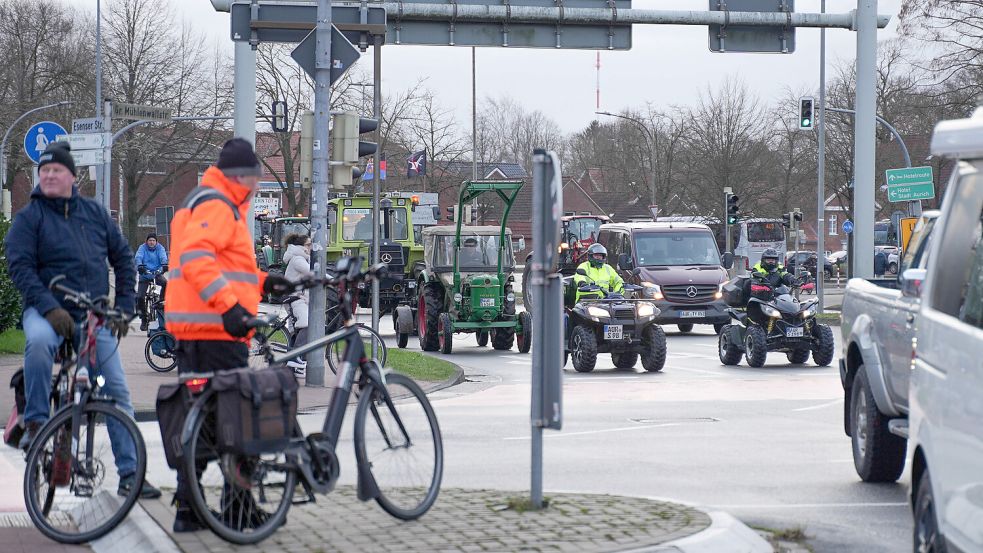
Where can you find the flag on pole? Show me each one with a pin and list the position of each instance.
(416, 164)
(370, 169)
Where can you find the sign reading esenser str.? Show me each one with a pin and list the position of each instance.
(909, 184)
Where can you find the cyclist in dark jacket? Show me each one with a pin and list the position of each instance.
(61, 233)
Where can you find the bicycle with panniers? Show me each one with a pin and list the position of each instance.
(72, 492)
(242, 440)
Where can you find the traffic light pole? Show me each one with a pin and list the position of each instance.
(322, 180)
(821, 170)
(376, 176)
(727, 192)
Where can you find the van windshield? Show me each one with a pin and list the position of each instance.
(676, 248)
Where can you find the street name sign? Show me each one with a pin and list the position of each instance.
(85, 158)
(343, 54)
(910, 184)
(39, 136)
(94, 141)
(87, 125)
(141, 113)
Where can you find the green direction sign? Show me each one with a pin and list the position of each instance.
(909, 184)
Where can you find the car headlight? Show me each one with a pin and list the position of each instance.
(458, 297)
(811, 312)
(652, 290)
(646, 310)
(599, 312)
(771, 311)
(720, 292)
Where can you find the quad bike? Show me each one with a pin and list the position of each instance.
(775, 320)
(599, 322)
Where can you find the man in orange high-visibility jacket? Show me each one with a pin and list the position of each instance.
(215, 287)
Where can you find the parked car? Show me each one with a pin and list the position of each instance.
(677, 264)
(877, 328)
(807, 260)
(946, 393)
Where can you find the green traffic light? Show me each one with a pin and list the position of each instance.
(806, 122)
(732, 220)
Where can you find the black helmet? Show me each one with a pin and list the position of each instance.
(769, 259)
(597, 255)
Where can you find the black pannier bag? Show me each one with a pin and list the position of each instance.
(256, 409)
(15, 422)
(737, 291)
(173, 403)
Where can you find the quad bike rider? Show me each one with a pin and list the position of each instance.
(579, 232)
(599, 319)
(774, 319)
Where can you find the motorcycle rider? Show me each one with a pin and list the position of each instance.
(771, 271)
(599, 272)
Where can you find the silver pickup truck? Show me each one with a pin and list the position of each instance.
(877, 331)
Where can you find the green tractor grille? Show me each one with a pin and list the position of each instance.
(482, 297)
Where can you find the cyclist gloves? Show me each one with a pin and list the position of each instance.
(62, 322)
(234, 320)
(118, 327)
(142, 269)
(277, 285)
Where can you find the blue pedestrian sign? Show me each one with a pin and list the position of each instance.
(39, 136)
(847, 226)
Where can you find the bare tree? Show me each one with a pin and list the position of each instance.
(435, 129)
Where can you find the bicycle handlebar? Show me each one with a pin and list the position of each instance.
(82, 299)
(352, 275)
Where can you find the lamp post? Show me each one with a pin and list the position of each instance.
(4, 205)
(652, 153)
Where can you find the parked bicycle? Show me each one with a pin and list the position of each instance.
(398, 446)
(70, 485)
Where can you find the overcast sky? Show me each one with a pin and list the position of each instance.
(667, 65)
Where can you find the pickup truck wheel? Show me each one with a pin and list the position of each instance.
(685, 327)
(653, 348)
(624, 360)
(824, 348)
(584, 346)
(755, 346)
(729, 353)
(927, 536)
(878, 455)
(798, 357)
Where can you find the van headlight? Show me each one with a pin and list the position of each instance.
(598, 312)
(646, 310)
(652, 290)
(720, 292)
(771, 311)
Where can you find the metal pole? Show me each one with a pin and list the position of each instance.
(727, 245)
(322, 180)
(474, 119)
(864, 140)
(376, 177)
(244, 90)
(821, 171)
(107, 167)
(3, 152)
(653, 153)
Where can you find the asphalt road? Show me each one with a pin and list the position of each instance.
(764, 444)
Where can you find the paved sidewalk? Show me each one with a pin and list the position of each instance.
(462, 521)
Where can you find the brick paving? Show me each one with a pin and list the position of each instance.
(462, 521)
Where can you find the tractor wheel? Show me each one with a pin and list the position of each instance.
(523, 339)
(427, 314)
(503, 338)
(653, 348)
(527, 298)
(445, 333)
(402, 338)
(482, 337)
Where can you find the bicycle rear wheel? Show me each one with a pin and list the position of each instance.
(159, 351)
(75, 498)
(398, 442)
(335, 352)
(278, 337)
(243, 499)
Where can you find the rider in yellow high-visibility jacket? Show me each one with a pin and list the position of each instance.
(599, 273)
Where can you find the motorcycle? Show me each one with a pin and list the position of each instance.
(600, 322)
(775, 320)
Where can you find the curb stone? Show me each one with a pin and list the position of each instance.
(726, 534)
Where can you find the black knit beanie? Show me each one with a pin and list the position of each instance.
(151, 235)
(238, 159)
(58, 152)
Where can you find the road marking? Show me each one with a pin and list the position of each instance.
(809, 505)
(603, 431)
(517, 362)
(820, 406)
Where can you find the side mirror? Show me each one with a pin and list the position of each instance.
(625, 262)
(911, 282)
(727, 260)
(581, 272)
(436, 213)
(332, 217)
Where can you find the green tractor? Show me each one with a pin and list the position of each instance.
(350, 234)
(465, 282)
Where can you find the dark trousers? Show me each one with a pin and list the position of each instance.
(206, 356)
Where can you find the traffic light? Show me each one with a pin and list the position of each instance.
(797, 215)
(346, 148)
(807, 113)
(732, 209)
(279, 116)
(787, 219)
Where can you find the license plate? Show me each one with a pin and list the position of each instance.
(794, 332)
(613, 332)
(692, 314)
(488, 302)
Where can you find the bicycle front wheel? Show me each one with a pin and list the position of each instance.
(335, 352)
(278, 338)
(243, 499)
(159, 351)
(397, 441)
(75, 498)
